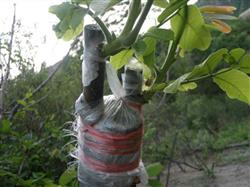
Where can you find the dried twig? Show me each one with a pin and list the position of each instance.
(171, 156)
(179, 163)
(6, 77)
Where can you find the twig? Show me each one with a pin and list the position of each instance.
(179, 163)
(124, 42)
(38, 101)
(230, 146)
(133, 35)
(171, 156)
(207, 76)
(134, 11)
(21, 166)
(170, 58)
(200, 161)
(11, 43)
(5, 78)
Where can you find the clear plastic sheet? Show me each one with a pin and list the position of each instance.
(114, 114)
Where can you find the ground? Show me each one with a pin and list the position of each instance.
(233, 175)
(232, 170)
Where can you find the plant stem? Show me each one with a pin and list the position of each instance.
(102, 25)
(130, 39)
(5, 78)
(112, 48)
(134, 11)
(206, 76)
(171, 156)
(200, 78)
(125, 42)
(160, 24)
(170, 59)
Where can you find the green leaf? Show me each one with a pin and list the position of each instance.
(148, 55)
(155, 183)
(237, 53)
(121, 59)
(195, 34)
(5, 126)
(69, 33)
(81, 1)
(187, 86)
(49, 183)
(61, 10)
(18, 180)
(209, 65)
(149, 60)
(161, 3)
(150, 43)
(160, 34)
(235, 83)
(170, 9)
(234, 56)
(159, 87)
(245, 63)
(175, 85)
(77, 18)
(71, 20)
(21, 102)
(28, 95)
(147, 74)
(67, 176)
(102, 6)
(154, 169)
(139, 47)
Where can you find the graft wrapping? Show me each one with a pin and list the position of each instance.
(110, 134)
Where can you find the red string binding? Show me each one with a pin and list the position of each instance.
(112, 144)
(97, 165)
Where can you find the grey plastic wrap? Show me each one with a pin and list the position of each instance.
(113, 115)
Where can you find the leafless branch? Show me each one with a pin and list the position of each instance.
(171, 156)
(5, 78)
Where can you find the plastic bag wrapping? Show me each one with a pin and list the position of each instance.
(89, 113)
(106, 158)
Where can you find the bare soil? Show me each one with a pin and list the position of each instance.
(232, 170)
(235, 175)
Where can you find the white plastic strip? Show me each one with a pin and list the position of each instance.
(114, 83)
